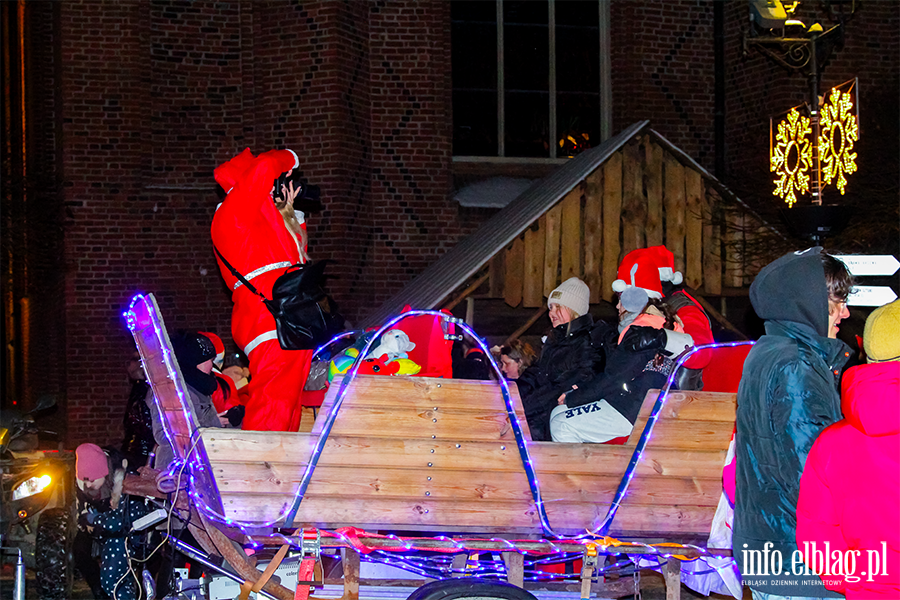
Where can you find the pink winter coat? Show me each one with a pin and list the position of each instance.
(850, 489)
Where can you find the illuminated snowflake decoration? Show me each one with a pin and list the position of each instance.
(839, 128)
(791, 157)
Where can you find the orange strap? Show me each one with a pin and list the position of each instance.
(307, 567)
(247, 587)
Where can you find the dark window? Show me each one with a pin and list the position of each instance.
(545, 82)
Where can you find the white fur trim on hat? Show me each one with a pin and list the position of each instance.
(668, 274)
(620, 286)
(296, 158)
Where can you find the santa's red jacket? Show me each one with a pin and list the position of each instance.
(250, 233)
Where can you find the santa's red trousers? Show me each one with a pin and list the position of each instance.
(277, 375)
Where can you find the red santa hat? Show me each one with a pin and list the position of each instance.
(640, 269)
(665, 261)
(228, 173)
(219, 360)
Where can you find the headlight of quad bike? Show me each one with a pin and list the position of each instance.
(32, 486)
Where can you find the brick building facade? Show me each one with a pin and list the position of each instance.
(151, 96)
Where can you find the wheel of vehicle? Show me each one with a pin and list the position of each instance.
(470, 588)
(53, 555)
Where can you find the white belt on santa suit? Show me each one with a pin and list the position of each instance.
(256, 273)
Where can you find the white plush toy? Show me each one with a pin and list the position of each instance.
(394, 343)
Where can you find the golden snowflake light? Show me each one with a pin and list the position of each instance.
(839, 128)
(790, 157)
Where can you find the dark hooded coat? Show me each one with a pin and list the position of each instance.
(788, 394)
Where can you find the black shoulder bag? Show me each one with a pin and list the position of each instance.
(305, 316)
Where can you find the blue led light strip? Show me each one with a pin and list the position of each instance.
(603, 528)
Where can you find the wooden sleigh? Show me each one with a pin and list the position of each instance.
(441, 457)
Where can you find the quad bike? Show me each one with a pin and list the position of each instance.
(36, 512)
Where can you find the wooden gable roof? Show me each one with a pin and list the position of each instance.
(634, 190)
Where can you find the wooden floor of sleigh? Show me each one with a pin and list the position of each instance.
(438, 457)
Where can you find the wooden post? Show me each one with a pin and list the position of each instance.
(674, 203)
(533, 285)
(458, 564)
(673, 579)
(570, 244)
(515, 567)
(515, 266)
(551, 249)
(612, 214)
(496, 269)
(593, 232)
(634, 206)
(693, 255)
(712, 246)
(653, 183)
(350, 562)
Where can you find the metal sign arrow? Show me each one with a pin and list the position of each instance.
(868, 265)
(871, 295)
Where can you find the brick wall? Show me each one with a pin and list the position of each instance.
(156, 94)
(662, 70)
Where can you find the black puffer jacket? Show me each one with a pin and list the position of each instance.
(633, 367)
(788, 394)
(568, 358)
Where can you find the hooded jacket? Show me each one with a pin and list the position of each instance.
(568, 358)
(788, 394)
(850, 491)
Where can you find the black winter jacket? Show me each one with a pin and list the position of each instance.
(632, 369)
(568, 358)
(788, 394)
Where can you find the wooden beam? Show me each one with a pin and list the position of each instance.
(350, 562)
(570, 243)
(712, 246)
(515, 567)
(653, 180)
(515, 267)
(234, 447)
(593, 232)
(634, 204)
(693, 274)
(673, 579)
(426, 514)
(734, 246)
(497, 271)
(612, 214)
(468, 291)
(531, 321)
(674, 204)
(533, 285)
(551, 249)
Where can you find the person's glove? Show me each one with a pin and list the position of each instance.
(235, 415)
(638, 339)
(87, 518)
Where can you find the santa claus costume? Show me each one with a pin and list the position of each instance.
(251, 234)
(656, 266)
